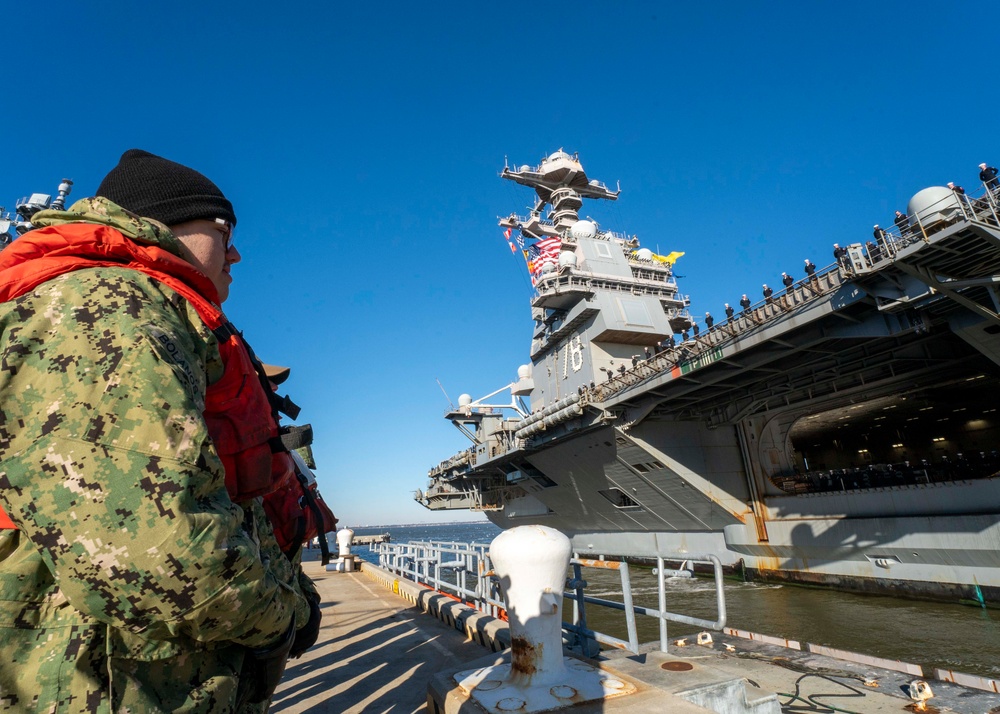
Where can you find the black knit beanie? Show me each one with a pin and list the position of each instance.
(154, 187)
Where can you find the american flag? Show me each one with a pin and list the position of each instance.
(546, 253)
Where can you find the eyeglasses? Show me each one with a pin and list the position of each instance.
(227, 231)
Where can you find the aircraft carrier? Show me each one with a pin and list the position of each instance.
(841, 432)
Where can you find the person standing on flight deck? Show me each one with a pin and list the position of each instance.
(810, 268)
(840, 255)
(902, 223)
(137, 569)
(988, 175)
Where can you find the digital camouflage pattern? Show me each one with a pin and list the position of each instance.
(134, 582)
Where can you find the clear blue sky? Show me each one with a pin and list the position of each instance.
(361, 145)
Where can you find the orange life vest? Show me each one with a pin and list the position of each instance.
(237, 412)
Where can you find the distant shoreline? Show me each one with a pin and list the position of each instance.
(418, 525)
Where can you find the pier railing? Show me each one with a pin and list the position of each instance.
(464, 571)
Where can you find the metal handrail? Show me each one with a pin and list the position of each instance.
(428, 562)
(630, 609)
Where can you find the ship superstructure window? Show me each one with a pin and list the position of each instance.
(646, 468)
(620, 499)
(603, 250)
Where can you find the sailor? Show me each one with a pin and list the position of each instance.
(840, 255)
(810, 268)
(730, 312)
(902, 223)
(767, 292)
(745, 303)
(137, 568)
(787, 280)
(960, 192)
(988, 175)
(709, 320)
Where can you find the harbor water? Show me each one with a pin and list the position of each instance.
(960, 637)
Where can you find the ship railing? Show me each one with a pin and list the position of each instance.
(939, 215)
(555, 283)
(687, 354)
(616, 235)
(464, 571)
(466, 459)
(920, 226)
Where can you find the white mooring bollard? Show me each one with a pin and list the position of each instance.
(344, 538)
(344, 562)
(531, 563)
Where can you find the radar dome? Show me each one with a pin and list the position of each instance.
(525, 168)
(558, 155)
(567, 257)
(548, 267)
(583, 229)
(933, 204)
(644, 254)
(464, 400)
(524, 371)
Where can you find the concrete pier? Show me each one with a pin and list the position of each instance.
(379, 652)
(376, 651)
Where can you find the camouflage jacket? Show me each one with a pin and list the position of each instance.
(133, 582)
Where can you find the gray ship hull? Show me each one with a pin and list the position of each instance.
(938, 540)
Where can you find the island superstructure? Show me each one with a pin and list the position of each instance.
(843, 432)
